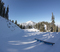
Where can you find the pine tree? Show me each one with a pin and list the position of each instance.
(15, 21)
(21, 26)
(30, 27)
(1, 8)
(51, 29)
(57, 29)
(17, 24)
(6, 15)
(4, 12)
(53, 22)
(38, 26)
(42, 27)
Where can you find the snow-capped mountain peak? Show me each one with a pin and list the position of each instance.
(29, 23)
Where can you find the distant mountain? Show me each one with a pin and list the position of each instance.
(29, 23)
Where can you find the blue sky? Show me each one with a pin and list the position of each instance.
(33, 10)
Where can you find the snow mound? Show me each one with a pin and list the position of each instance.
(7, 28)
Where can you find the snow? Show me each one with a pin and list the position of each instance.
(31, 30)
(29, 23)
(14, 39)
(45, 26)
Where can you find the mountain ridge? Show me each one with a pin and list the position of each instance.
(28, 23)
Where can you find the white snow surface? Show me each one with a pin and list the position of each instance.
(31, 30)
(14, 39)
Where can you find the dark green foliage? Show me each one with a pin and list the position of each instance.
(57, 29)
(21, 26)
(1, 7)
(15, 21)
(42, 27)
(17, 24)
(30, 27)
(53, 22)
(3, 13)
(6, 15)
(38, 26)
(51, 29)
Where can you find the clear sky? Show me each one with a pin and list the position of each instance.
(33, 10)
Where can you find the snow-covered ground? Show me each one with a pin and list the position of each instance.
(14, 39)
(31, 30)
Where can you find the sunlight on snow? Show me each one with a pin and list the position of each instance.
(32, 46)
(32, 34)
(20, 43)
(48, 35)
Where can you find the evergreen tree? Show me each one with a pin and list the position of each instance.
(51, 29)
(15, 21)
(57, 29)
(53, 22)
(30, 27)
(17, 24)
(21, 26)
(1, 8)
(38, 26)
(6, 15)
(4, 12)
(42, 27)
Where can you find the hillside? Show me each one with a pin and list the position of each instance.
(8, 28)
(14, 39)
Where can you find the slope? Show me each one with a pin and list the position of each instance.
(21, 41)
(8, 28)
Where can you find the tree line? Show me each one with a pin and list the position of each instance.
(50, 27)
(3, 10)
